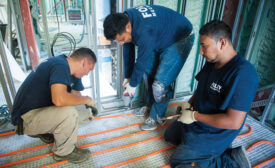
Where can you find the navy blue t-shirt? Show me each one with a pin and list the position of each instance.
(153, 28)
(232, 86)
(35, 91)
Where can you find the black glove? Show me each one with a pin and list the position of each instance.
(93, 109)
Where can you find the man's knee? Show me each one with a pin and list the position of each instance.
(172, 140)
(169, 140)
(68, 112)
(159, 92)
(66, 120)
(173, 133)
(165, 136)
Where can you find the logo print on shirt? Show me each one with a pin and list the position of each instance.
(216, 87)
(146, 11)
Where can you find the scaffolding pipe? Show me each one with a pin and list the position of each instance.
(214, 9)
(237, 20)
(11, 90)
(9, 44)
(254, 30)
(28, 28)
(95, 50)
(5, 88)
(222, 10)
(21, 37)
(45, 26)
(120, 8)
(268, 106)
(65, 9)
(89, 28)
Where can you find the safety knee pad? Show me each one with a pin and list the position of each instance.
(159, 92)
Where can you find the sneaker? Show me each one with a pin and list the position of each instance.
(143, 111)
(161, 121)
(78, 155)
(47, 138)
(239, 156)
(149, 124)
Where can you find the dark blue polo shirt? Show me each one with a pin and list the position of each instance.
(35, 91)
(153, 28)
(232, 86)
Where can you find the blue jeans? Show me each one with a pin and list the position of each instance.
(165, 66)
(185, 155)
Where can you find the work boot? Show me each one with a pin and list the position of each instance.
(78, 155)
(149, 124)
(47, 138)
(143, 111)
(239, 156)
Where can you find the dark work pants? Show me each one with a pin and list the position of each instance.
(185, 155)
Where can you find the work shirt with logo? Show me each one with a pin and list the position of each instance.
(153, 28)
(232, 86)
(35, 91)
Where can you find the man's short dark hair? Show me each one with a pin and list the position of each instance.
(114, 24)
(82, 53)
(217, 29)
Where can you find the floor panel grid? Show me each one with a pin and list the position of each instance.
(158, 160)
(120, 127)
(132, 152)
(261, 152)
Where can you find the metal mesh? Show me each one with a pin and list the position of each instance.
(14, 142)
(261, 152)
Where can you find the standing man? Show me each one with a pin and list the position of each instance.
(44, 104)
(164, 39)
(226, 88)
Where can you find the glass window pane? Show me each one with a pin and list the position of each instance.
(140, 2)
(262, 54)
(195, 13)
(172, 4)
(247, 25)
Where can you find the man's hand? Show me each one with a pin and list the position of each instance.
(93, 107)
(129, 90)
(185, 105)
(187, 115)
(125, 82)
(92, 103)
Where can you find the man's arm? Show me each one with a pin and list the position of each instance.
(245, 83)
(61, 97)
(232, 119)
(145, 50)
(74, 92)
(129, 59)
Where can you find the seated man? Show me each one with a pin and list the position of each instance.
(227, 85)
(44, 104)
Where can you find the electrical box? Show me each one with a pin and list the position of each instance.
(75, 16)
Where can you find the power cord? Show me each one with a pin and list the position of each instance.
(4, 116)
(69, 37)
